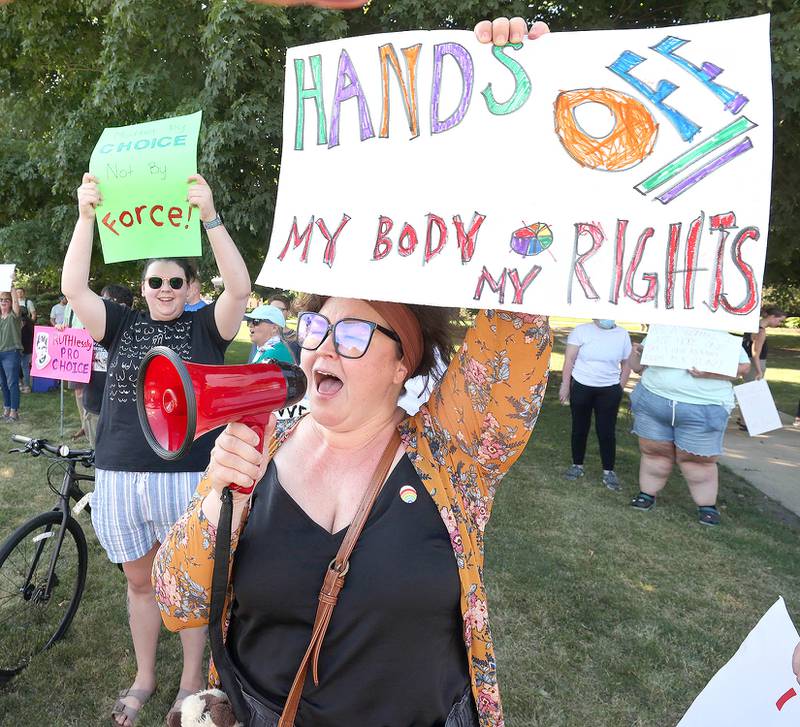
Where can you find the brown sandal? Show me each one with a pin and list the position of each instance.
(131, 714)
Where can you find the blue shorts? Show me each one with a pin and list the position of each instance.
(695, 428)
(132, 511)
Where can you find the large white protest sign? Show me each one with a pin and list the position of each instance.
(684, 348)
(604, 174)
(756, 688)
(6, 276)
(758, 407)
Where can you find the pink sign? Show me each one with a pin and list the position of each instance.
(63, 354)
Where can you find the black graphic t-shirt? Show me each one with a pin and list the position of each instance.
(130, 334)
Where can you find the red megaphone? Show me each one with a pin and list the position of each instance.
(179, 401)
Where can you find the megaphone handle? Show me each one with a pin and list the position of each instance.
(258, 423)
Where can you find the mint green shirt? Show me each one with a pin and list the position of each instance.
(274, 348)
(70, 319)
(680, 385)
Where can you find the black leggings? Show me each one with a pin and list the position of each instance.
(604, 401)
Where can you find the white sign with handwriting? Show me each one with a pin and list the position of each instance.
(684, 348)
(600, 174)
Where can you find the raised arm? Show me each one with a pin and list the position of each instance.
(14, 302)
(481, 415)
(232, 303)
(88, 306)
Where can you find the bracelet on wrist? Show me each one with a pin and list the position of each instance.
(215, 221)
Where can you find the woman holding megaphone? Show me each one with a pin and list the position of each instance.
(137, 495)
(408, 642)
(356, 595)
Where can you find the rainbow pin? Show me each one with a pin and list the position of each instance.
(408, 494)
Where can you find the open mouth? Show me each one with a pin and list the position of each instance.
(327, 383)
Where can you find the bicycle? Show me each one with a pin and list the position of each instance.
(43, 563)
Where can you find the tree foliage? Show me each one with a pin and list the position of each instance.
(69, 68)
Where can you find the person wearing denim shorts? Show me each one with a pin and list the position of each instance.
(681, 416)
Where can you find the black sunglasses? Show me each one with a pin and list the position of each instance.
(351, 336)
(175, 283)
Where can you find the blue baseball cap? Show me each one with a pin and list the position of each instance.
(266, 313)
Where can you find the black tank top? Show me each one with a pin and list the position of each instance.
(394, 653)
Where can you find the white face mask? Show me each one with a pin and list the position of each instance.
(606, 323)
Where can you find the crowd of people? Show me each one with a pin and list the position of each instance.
(396, 498)
(18, 316)
(680, 416)
(366, 357)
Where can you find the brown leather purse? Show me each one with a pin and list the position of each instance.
(328, 595)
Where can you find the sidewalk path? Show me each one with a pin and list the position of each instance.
(770, 462)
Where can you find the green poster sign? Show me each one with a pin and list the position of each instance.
(142, 171)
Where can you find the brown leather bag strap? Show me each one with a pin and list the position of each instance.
(333, 582)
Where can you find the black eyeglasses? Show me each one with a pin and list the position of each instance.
(175, 283)
(351, 336)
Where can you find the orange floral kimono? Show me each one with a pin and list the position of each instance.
(461, 443)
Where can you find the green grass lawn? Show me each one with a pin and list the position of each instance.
(602, 615)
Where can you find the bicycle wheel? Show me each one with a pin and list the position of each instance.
(30, 621)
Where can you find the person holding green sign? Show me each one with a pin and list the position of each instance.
(138, 496)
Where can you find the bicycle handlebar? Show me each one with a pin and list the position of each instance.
(59, 450)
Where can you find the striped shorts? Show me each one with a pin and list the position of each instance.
(132, 511)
